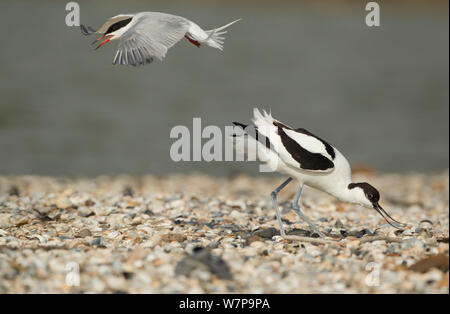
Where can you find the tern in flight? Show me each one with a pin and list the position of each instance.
(146, 35)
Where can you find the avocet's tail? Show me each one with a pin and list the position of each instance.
(215, 36)
(265, 123)
(244, 140)
(250, 141)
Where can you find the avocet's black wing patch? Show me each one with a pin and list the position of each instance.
(307, 160)
(296, 148)
(329, 149)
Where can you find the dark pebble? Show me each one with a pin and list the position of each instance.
(299, 232)
(84, 233)
(266, 233)
(149, 212)
(128, 191)
(89, 203)
(203, 258)
(213, 245)
(439, 261)
(127, 275)
(14, 191)
(339, 224)
(253, 238)
(99, 242)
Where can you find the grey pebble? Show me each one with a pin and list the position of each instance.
(203, 259)
(299, 232)
(99, 242)
(213, 245)
(84, 233)
(338, 224)
(410, 243)
(266, 233)
(130, 216)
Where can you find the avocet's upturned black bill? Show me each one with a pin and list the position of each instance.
(146, 35)
(307, 158)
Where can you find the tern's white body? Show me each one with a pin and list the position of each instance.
(148, 18)
(146, 35)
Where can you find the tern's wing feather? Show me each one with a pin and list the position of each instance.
(150, 36)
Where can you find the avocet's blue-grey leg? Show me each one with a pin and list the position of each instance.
(273, 196)
(302, 216)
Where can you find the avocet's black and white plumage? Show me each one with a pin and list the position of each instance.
(307, 158)
(148, 35)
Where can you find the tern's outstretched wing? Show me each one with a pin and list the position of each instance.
(150, 36)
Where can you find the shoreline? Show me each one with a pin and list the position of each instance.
(139, 234)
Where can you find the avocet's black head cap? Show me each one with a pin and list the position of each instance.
(373, 196)
(370, 192)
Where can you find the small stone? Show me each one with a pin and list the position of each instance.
(89, 203)
(440, 261)
(176, 203)
(148, 212)
(213, 245)
(4, 221)
(99, 242)
(128, 191)
(171, 237)
(299, 232)
(14, 191)
(18, 220)
(113, 234)
(254, 238)
(83, 233)
(235, 214)
(63, 202)
(202, 259)
(266, 233)
(85, 211)
(338, 224)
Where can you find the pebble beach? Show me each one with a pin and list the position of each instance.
(194, 233)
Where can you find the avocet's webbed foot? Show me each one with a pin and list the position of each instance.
(302, 216)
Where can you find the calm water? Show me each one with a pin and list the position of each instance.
(380, 95)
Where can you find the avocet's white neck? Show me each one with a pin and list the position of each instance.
(353, 195)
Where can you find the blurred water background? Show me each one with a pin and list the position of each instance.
(379, 94)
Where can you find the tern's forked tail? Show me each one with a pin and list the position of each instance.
(215, 38)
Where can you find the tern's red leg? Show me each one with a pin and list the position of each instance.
(194, 42)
